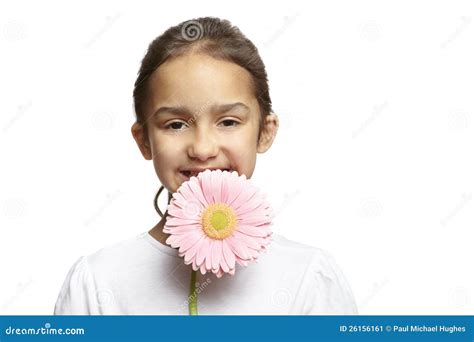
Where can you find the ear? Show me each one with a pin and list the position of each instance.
(268, 134)
(141, 138)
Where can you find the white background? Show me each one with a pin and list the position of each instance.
(373, 161)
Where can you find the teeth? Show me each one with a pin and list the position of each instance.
(190, 174)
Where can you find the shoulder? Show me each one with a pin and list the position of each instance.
(119, 254)
(82, 290)
(74, 296)
(308, 258)
(304, 253)
(112, 258)
(324, 288)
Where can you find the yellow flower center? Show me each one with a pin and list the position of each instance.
(219, 221)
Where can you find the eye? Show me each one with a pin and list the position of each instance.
(175, 125)
(229, 123)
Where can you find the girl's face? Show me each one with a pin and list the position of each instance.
(202, 114)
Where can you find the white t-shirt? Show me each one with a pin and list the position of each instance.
(141, 276)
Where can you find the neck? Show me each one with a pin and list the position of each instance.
(157, 231)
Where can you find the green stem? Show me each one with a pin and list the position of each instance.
(193, 305)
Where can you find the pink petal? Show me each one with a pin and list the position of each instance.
(251, 253)
(203, 269)
(197, 191)
(176, 240)
(191, 253)
(190, 242)
(177, 230)
(178, 200)
(206, 186)
(216, 253)
(216, 181)
(192, 207)
(267, 211)
(175, 221)
(235, 187)
(254, 204)
(186, 192)
(174, 210)
(241, 261)
(238, 248)
(225, 186)
(253, 231)
(223, 265)
(208, 260)
(247, 192)
(229, 256)
(264, 241)
(204, 251)
(250, 241)
(195, 267)
(254, 220)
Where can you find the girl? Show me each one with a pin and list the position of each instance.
(202, 102)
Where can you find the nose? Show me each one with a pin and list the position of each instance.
(203, 146)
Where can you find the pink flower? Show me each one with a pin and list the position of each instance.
(218, 219)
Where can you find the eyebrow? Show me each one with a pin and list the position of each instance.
(217, 108)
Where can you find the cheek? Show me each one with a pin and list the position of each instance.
(164, 155)
(164, 147)
(242, 153)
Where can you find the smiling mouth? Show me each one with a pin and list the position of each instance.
(195, 172)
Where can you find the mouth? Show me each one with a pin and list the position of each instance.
(188, 173)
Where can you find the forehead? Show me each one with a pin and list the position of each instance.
(194, 79)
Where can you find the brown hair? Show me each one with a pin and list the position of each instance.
(215, 37)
